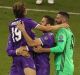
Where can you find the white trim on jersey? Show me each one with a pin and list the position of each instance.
(41, 42)
(27, 48)
(37, 25)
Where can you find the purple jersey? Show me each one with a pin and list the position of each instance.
(15, 41)
(42, 59)
(47, 40)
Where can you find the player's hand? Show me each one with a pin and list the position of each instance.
(25, 53)
(37, 49)
(65, 25)
(20, 26)
(18, 51)
(22, 51)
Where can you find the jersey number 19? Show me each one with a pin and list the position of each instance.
(16, 34)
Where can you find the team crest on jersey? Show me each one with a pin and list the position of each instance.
(61, 38)
(45, 38)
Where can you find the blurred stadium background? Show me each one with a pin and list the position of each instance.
(6, 16)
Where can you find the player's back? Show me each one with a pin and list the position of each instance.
(16, 35)
(15, 41)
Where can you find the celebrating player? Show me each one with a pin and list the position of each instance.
(47, 41)
(21, 65)
(64, 50)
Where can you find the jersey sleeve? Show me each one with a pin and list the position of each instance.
(61, 42)
(10, 49)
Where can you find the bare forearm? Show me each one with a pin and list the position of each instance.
(56, 27)
(45, 49)
(27, 38)
(48, 28)
(41, 50)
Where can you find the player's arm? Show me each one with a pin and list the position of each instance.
(61, 43)
(21, 26)
(23, 50)
(19, 51)
(29, 40)
(40, 49)
(10, 49)
(50, 28)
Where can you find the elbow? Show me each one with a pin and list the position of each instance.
(11, 52)
(8, 53)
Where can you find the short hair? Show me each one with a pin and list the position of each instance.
(65, 14)
(19, 9)
(50, 20)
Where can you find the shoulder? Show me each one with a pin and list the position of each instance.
(12, 23)
(29, 20)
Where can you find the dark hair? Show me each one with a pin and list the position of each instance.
(50, 20)
(65, 14)
(19, 9)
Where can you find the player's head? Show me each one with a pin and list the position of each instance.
(19, 10)
(47, 20)
(62, 17)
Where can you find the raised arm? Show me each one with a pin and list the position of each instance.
(50, 28)
(20, 25)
